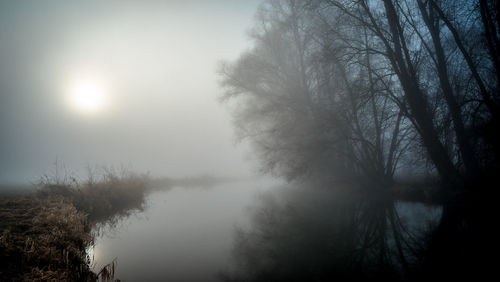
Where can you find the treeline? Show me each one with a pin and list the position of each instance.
(202, 181)
(360, 93)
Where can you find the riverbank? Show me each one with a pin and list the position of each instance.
(44, 235)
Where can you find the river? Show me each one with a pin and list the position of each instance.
(186, 233)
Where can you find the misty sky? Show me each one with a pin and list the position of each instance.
(158, 60)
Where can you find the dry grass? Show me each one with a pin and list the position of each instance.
(44, 236)
(111, 196)
(44, 240)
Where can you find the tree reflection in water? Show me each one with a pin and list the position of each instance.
(304, 233)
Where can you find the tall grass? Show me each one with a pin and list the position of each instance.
(44, 240)
(44, 236)
(102, 199)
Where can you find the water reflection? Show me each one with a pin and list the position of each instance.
(306, 233)
(253, 231)
(183, 234)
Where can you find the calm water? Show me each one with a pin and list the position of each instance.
(184, 234)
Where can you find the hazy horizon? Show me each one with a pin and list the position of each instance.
(158, 62)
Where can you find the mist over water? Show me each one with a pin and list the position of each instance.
(204, 234)
(184, 234)
(265, 140)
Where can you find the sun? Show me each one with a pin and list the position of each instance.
(88, 94)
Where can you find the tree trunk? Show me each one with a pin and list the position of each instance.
(442, 69)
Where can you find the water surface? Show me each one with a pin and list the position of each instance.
(184, 234)
(187, 233)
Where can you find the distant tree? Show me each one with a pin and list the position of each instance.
(278, 114)
(307, 107)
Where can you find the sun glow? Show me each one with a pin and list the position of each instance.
(88, 94)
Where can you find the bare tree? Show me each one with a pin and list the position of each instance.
(457, 127)
(319, 102)
(346, 90)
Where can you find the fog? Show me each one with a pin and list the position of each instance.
(183, 235)
(269, 140)
(158, 60)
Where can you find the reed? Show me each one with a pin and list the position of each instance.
(45, 235)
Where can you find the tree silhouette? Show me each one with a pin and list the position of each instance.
(351, 91)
